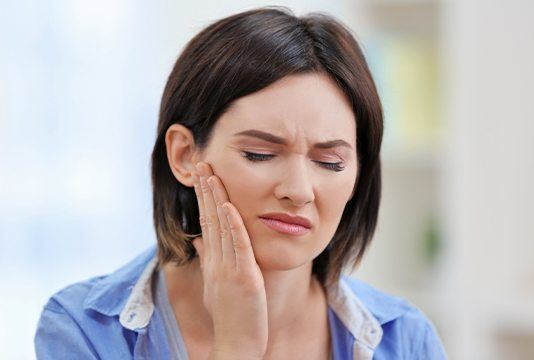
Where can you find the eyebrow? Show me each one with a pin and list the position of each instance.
(281, 141)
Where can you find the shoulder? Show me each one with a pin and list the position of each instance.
(406, 329)
(70, 299)
(385, 307)
(81, 320)
(62, 324)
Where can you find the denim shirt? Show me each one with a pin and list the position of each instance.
(113, 317)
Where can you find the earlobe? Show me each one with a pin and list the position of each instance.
(179, 145)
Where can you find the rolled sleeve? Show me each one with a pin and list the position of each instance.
(58, 336)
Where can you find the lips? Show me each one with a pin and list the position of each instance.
(289, 219)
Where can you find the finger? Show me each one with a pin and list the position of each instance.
(202, 215)
(244, 255)
(212, 220)
(221, 197)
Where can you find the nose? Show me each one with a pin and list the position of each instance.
(296, 184)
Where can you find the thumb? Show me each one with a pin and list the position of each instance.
(199, 247)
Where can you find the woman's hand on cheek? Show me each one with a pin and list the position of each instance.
(234, 291)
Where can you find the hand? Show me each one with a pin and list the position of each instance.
(234, 290)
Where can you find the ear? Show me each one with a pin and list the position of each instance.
(180, 146)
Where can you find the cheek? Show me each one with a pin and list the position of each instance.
(250, 179)
(242, 184)
(239, 176)
(331, 199)
(335, 192)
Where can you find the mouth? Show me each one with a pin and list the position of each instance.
(289, 219)
(285, 227)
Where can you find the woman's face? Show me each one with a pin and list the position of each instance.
(302, 110)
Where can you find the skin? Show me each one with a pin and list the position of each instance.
(303, 109)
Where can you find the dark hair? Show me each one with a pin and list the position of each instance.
(239, 55)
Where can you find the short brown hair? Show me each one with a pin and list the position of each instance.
(239, 55)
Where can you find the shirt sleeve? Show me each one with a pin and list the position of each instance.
(58, 336)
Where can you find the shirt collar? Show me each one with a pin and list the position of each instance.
(110, 293)
(128, 293)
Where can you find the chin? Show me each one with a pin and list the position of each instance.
(279, 256)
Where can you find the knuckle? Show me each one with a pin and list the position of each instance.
(205, 187)
(238, 245)
(208, 219)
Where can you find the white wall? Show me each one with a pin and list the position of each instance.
(489, 190)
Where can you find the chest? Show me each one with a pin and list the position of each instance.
(309, 345)
(310, 341)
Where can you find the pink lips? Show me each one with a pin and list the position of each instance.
(288, 218)
(285, 228)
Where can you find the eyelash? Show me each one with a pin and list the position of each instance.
(264, 157)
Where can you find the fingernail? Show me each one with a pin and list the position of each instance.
(198, 167)
(210, 183)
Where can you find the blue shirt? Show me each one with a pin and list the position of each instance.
(113, 317)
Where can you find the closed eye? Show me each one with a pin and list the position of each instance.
(255, 157)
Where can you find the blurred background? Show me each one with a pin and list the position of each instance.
(80, 86)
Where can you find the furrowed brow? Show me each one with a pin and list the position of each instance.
(281, 141)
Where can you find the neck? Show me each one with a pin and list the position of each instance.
(291, 295)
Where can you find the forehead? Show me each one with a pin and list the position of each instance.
(308, 105)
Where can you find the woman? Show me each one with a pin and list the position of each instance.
(266, 184)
